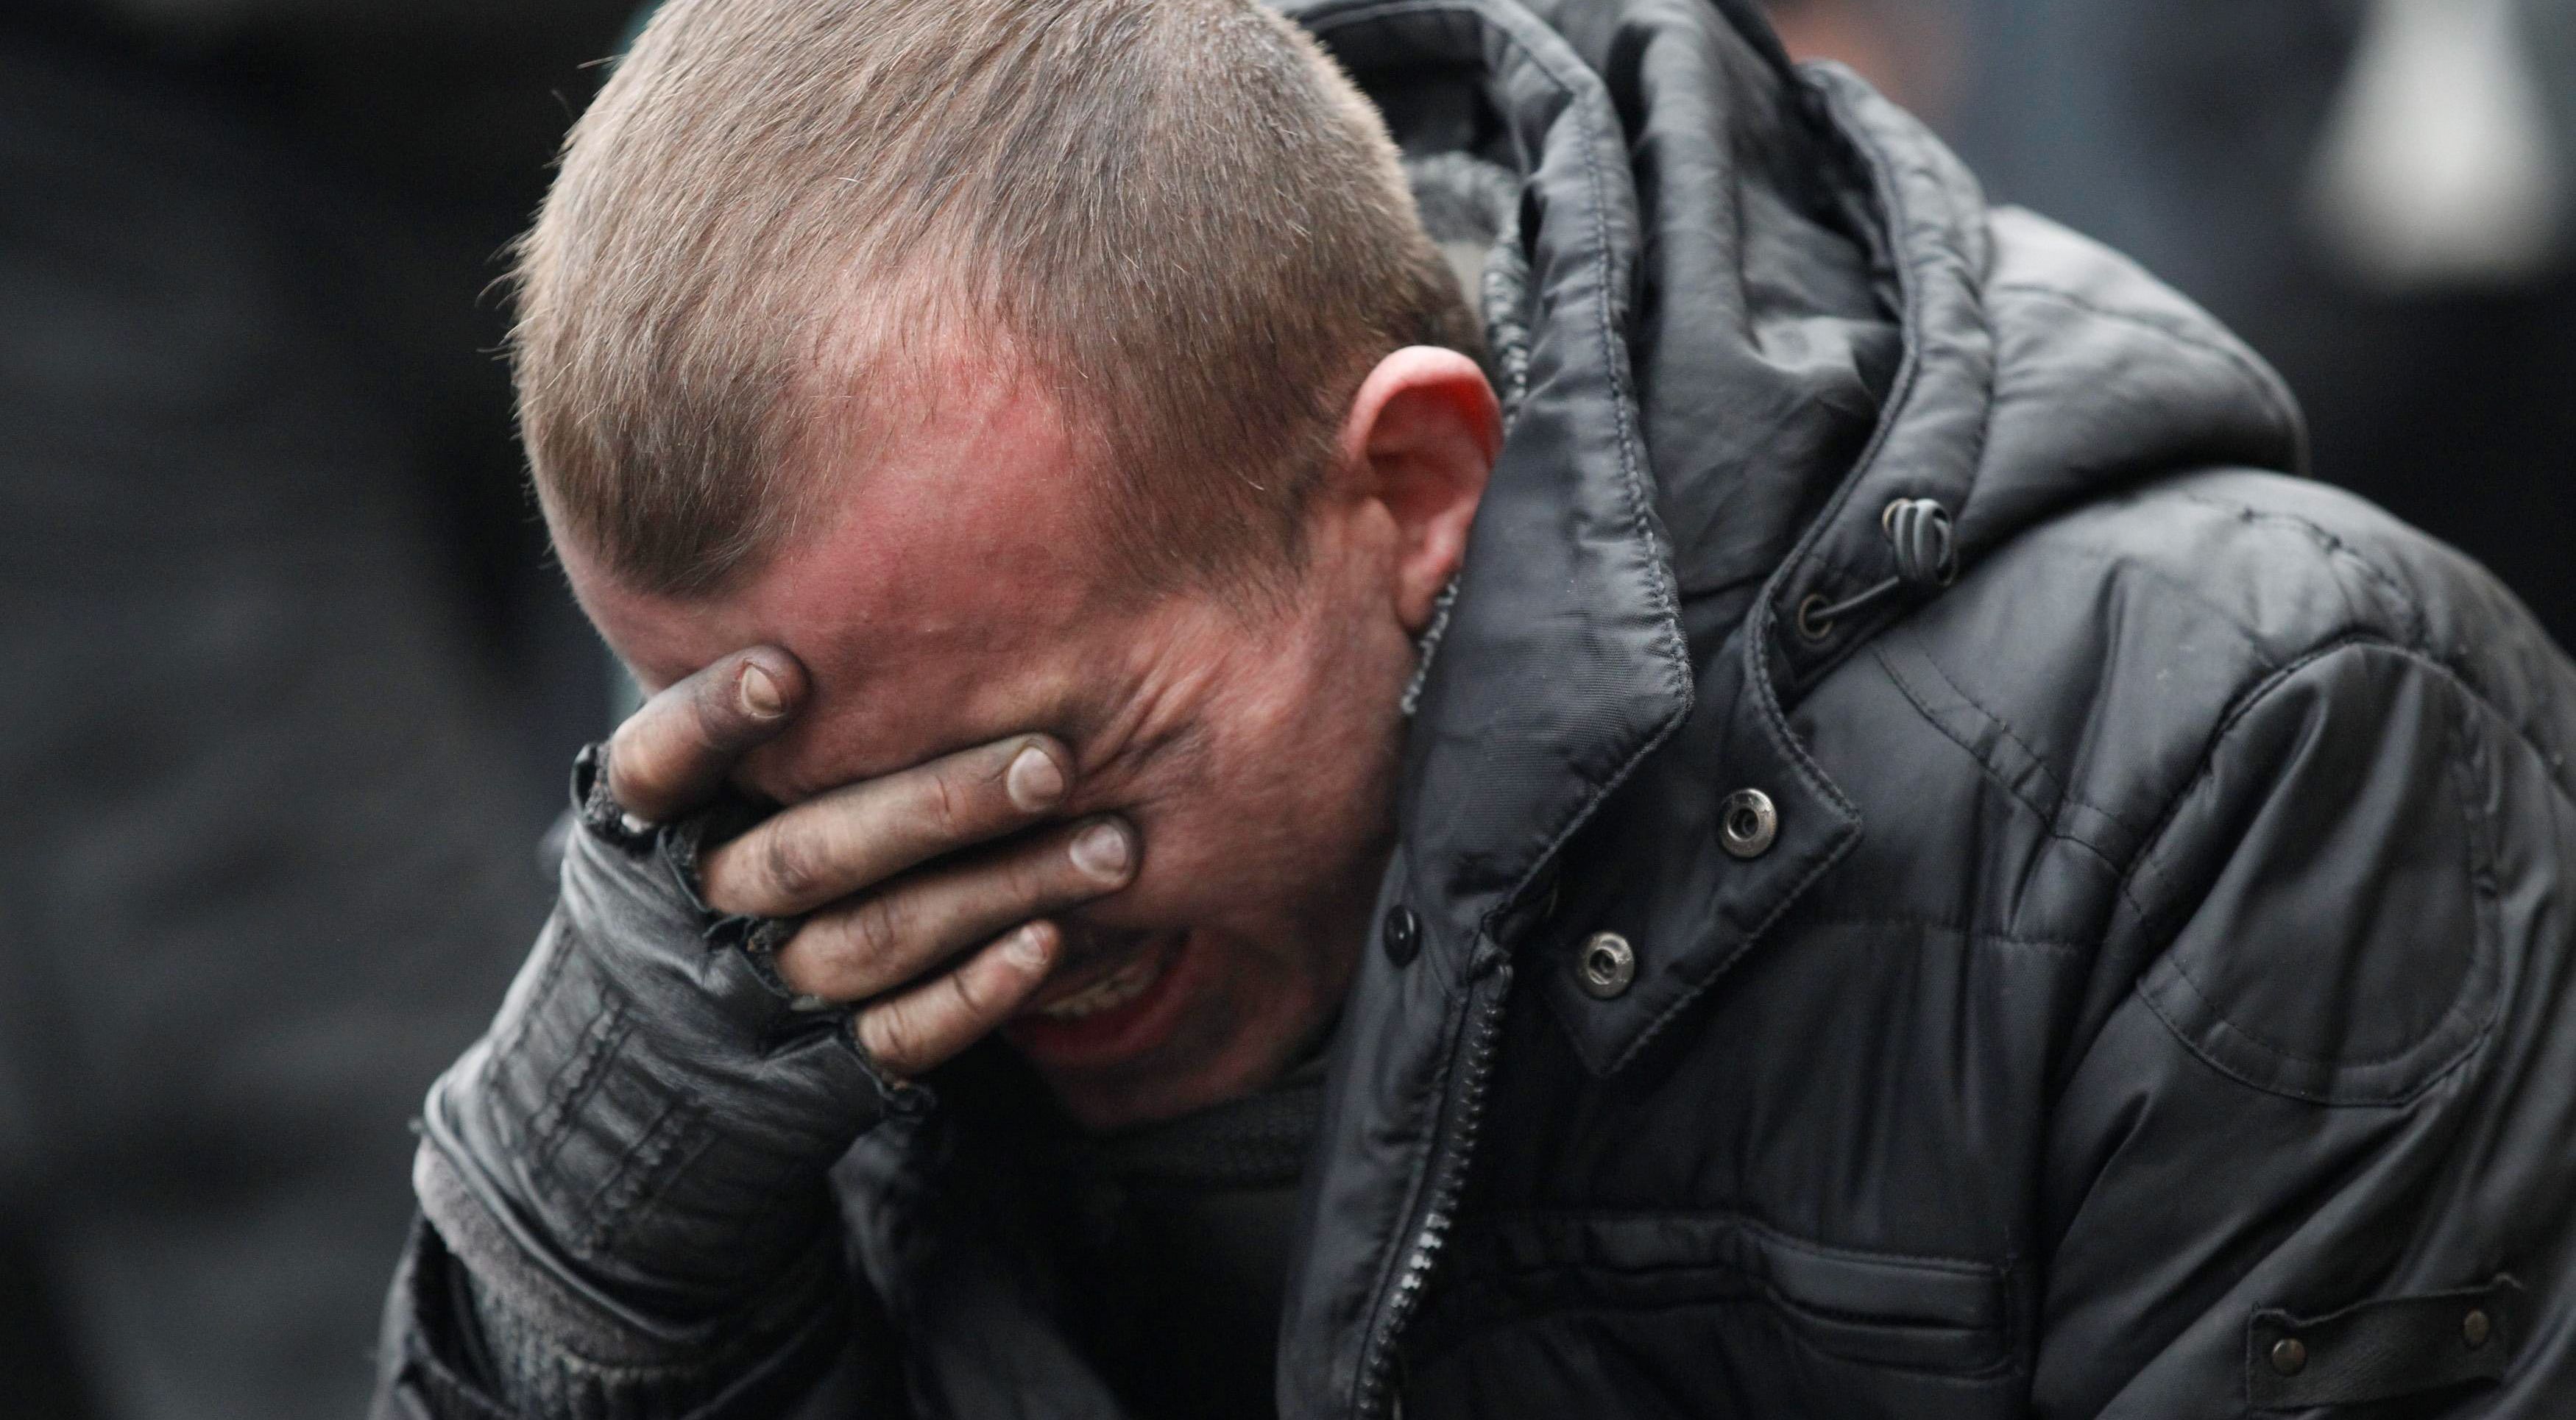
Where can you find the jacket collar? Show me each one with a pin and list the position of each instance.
(2037, 370)
(1565, 663)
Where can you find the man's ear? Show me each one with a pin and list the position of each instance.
(1420, 441)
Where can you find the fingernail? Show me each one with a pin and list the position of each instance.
(760, 693)
(1027, 947)
(1034, 780)
(1101, 851)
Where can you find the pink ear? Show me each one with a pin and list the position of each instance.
(1423, 431)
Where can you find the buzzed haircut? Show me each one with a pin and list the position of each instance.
(1177, 215)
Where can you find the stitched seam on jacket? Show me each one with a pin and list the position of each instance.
(2227, 725)
(2334, 640)
(2237, 709)
(1737, 1218)
(2339, 639)
(1623, 390)
(1992, 775)
(2065, 794)
(1774, 1306)
(2322, 1097)
(1955, 929)
(2414, 629)
(1675, 662)
(2221, 1021)
(2480, 878)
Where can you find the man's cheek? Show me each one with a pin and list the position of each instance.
(1158, 899)
(1166, 895)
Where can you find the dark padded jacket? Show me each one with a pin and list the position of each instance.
(2115, 964)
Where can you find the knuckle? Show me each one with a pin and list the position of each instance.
(664, 752)
(716, 719)
(942, 805)
(788, 866)
(891, 1036)
(635, 763)
(721, 876)
(967, 993)
(924, 1027)
(878, 927)
(1045, 876)
(806, 963)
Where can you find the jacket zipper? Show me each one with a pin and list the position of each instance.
(1449, 1180)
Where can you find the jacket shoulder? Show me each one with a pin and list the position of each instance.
(2259, 762)
(2072, 685)
(2287, 563)
(2279, 565)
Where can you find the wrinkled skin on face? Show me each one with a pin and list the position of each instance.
(959, 595)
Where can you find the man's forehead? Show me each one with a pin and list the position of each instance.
(938, 587)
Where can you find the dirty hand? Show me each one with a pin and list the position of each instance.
(704, 1027)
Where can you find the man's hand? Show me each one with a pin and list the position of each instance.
(651, 1118)
(885, 917)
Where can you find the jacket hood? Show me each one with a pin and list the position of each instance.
(1761, 305)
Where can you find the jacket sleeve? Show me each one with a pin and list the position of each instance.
(437, 1361)
(625, 1187)
(2313, 1149)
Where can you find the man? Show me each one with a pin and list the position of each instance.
(1909, 876)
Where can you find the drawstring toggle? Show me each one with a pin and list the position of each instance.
(1918, 529)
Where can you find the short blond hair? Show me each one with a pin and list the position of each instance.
(1179, 214)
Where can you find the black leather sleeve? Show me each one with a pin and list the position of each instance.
(624, 1181)
(834, 1362)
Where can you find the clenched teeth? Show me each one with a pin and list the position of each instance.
(1114, 990)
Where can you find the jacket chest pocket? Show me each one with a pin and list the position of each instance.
(1707, 1315)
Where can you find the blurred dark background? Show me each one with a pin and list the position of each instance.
(2374, 193)
(289, 684)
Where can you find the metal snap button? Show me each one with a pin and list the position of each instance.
(1402, 936)
(1606, 966)
(2476, 1327)
(1747, 823)
(2289, 1355)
